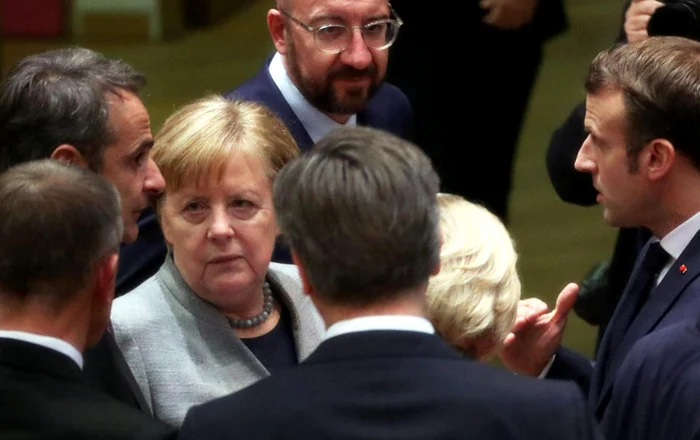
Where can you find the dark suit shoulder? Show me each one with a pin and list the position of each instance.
(667, 363)
(414, 398)
(389, 110)
(666, 349)
(34, 405)
(252, 89)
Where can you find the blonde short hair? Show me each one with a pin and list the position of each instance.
(198, 140)
(476, 293)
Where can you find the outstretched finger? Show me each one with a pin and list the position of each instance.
(565, 302)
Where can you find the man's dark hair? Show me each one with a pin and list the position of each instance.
(360, 211)
(56, 221)
(60, 97)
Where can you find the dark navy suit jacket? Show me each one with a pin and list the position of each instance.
(675, 299)
(393, 385)
(43, 396)
(657, 389)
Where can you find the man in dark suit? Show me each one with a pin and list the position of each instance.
(642, 152)
(600, 293)
(667, 362)
(60, 229)
(328, 69)
(501, 43)
(327, 72)
(77, 106)
(360, 213)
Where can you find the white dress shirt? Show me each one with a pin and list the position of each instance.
(675, 242)
(380, 322)
(316, 123)
(49, 342)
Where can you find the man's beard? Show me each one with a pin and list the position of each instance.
(323, 95)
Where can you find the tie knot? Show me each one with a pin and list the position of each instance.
(655, 258)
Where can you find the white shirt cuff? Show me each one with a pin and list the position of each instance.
(547, 367)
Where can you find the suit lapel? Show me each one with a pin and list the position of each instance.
(307, 324)
(124, 371)
(661, 301)
(276, 102)
(612, 336)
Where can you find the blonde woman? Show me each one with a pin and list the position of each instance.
(218, 316)
(473, 300)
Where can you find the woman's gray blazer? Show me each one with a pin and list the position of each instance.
(182, 350)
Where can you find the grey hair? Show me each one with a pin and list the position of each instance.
(56, 222)
(61, 97)
(360, 212)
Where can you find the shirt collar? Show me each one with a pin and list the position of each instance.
(383, 322)
(49, 342)
(678, 239)
(316, 123)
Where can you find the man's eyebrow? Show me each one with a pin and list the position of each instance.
(326, 17)
(340, 18)
(378, 17)
(146, 144)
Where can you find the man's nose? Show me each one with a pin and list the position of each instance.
(154, 183)
(357, 54)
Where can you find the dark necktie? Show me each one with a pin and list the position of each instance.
(654, 259)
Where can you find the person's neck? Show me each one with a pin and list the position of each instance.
(679, 202)
(67, 324)
(250, 303)
(410, 303)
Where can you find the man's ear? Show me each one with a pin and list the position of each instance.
(105, 279)
(275, 24)
(657, 158)
(70, 154)
(305, 284)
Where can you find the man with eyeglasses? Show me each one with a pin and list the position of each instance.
(328, 69)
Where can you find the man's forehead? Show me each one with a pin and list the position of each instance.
(339, 7)
(610, 102)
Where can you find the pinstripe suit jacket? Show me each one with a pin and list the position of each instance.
(183, 352)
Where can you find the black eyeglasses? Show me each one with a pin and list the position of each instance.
(335, 38)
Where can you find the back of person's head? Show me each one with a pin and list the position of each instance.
(359, 212)
(199, 140)
(472, 302)
(60, 97)
(57, 222)
(660, 83)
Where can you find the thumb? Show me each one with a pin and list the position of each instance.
(565, 302)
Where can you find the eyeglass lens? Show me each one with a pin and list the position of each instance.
(377, 35)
